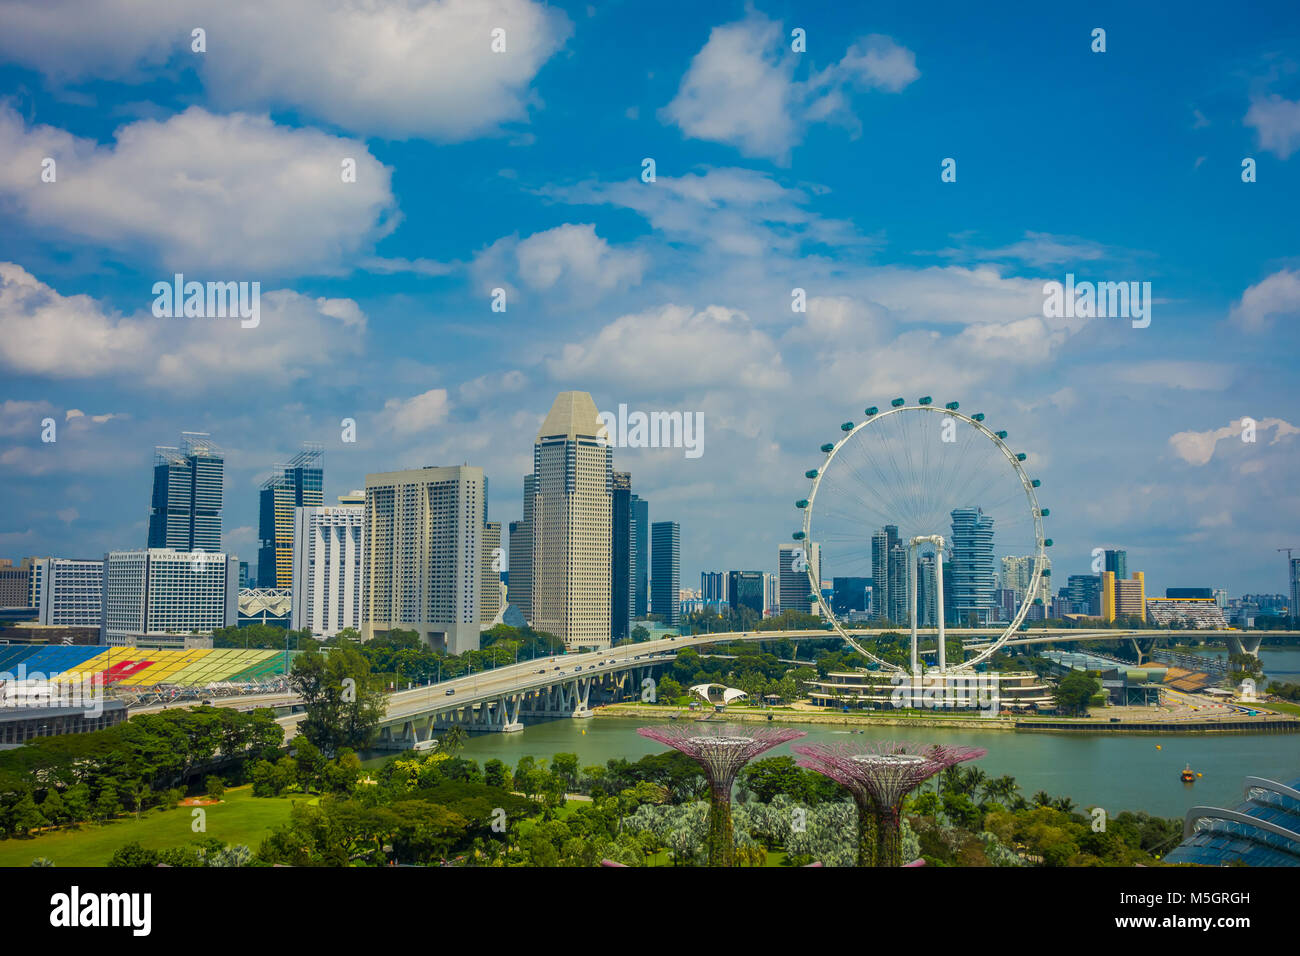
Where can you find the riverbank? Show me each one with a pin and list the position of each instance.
(1270, 724)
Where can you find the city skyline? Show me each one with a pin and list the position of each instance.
(675, 295)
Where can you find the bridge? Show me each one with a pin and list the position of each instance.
(499, 699)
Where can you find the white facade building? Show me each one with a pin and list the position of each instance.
(161, 595)
(328, 545)
(71, 592)
(422, 552)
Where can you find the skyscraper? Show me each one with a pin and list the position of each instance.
(794, 563)
(1294, 566)
(328, 549)
(72, 592)
(746, 589)
(421, 564)
(971, 568)
(572, 524)
(188, 486)
(1117, 562)
(489, 602)
(888, 575)
(926, 590)
(641, 545)
(300, 484)
(1084, 593)
(666, 573)
(1123, 598)
(713, 588)
(521, 554)
(622, 572)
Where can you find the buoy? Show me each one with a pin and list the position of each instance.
(584, 733)
(1200, 775)
(1157, 746)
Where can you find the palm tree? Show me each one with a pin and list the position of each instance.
(1041, 799)
(453, 740)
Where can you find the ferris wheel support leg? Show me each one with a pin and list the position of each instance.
(938, 604)
(911, 602)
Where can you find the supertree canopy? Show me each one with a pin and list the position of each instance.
(721, 752)
(880, 775)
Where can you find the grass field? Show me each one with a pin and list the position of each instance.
(239, 818)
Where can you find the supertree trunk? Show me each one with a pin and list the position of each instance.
(889, 838)
(721, 845)
(866, 832)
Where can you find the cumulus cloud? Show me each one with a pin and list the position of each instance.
(569, 258)
(1276, 296)
(45, 333)
(200, 191)
(419, 413)
(740, 88)
(1276, 122)
(1197, 448)
(690, 347)
(395, 68)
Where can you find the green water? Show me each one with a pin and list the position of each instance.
(1117, 772)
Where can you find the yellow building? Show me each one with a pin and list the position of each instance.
(1121, 598)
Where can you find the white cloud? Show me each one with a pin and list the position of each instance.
(570, 258)
(395, 68)
(45, 333)
(1197, 448)
(740, 87)
(677, 344)
(199, 191)
(419, 413)
(738, 212)
(1277, 124)
(1174, 373)
(1277, 295)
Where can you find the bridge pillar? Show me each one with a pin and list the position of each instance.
(1245, 644)
(1142, 645)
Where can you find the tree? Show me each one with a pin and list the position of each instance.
(215, 786)
(452, 740)
(1074, 692)
(26, 816)
(342, 700)
(496, 774)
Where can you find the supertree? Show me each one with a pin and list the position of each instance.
(721, 753)
(880, 775)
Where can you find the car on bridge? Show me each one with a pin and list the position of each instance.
(450, 691)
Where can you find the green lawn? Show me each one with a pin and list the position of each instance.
(1282, 707)
(239, 818)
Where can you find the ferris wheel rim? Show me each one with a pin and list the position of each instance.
(1031, 496)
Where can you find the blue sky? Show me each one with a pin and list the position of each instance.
(521, 170)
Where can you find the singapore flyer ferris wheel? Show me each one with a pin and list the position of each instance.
(936, 509)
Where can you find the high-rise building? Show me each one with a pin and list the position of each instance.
(16, 585)
(422, 546)
(888, 575)
(850, 594)
(521, 553)
(328, 549)
(623, 570)
(572, 524)
(898, 610)
(1294, 609)
(1123, 598)
(641, 545)
(72, 592)
(794, 563)
(746, 589)
(927, 595)
(971, 568)
(489, 605)
(771, 593)
(713, 588)
(188, 488)
(165, 596)
(300, 484)
(666, 571)
(1117, 563)
(1084, 594)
